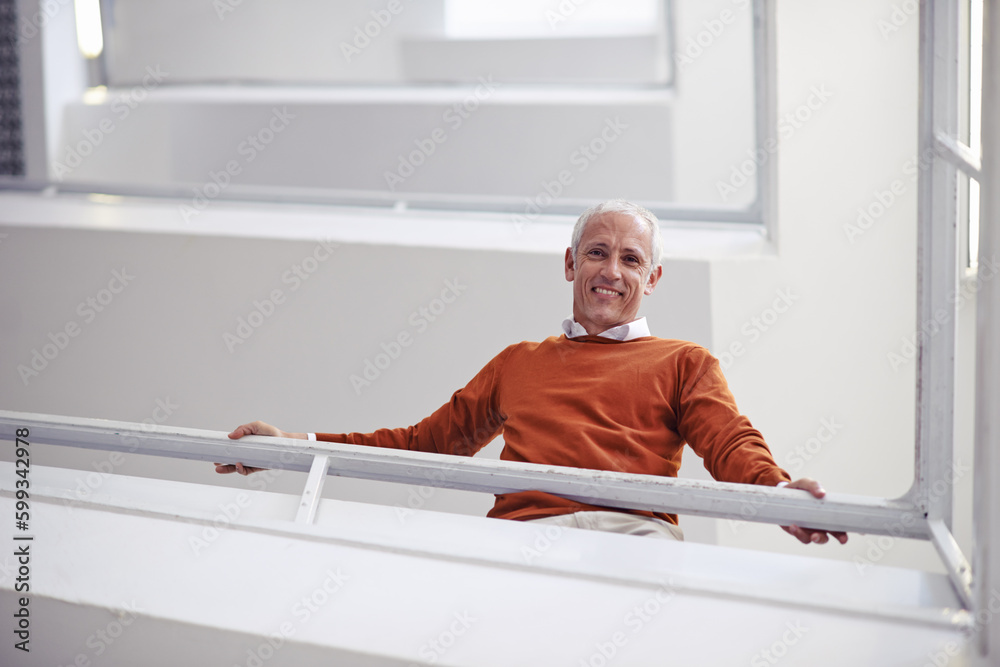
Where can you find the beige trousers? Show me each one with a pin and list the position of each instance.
(616, 522)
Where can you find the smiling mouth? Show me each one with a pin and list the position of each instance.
(606, 291)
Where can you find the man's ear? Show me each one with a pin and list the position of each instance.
(654, 277)
(570, 272)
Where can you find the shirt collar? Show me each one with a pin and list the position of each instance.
(623, 332)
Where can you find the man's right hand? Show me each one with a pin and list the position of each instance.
(253, 428)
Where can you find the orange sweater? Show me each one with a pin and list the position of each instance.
(592, 402)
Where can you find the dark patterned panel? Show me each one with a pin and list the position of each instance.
(11, 140)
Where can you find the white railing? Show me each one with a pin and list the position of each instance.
(746, 502)
(837, 511)
(714, 499)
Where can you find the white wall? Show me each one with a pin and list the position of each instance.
(826, 358)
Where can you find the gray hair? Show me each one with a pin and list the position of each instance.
(628, 208)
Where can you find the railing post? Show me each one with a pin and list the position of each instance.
(937, 262)
(313, 490)
(986, 504)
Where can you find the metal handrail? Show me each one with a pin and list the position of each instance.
(745, 502)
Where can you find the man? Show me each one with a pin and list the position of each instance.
(606, 395)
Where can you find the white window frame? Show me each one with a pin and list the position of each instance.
(986, 500)
(758, 214)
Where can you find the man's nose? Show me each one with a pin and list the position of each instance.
(611, 269)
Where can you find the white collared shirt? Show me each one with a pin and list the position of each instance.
(623, 332)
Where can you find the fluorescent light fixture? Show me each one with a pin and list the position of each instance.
(95, 95)
(89, 35)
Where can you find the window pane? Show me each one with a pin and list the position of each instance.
(309, 41)
(973, 224)
(975, 119)
(970, 120)
(199, 94)
(976, 75)
(525, 18)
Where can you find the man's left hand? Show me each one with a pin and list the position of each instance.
(812, 535)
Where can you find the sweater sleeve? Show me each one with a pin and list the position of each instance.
(462, 426)
(733, 451)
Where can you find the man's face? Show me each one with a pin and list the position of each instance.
(611, 273)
